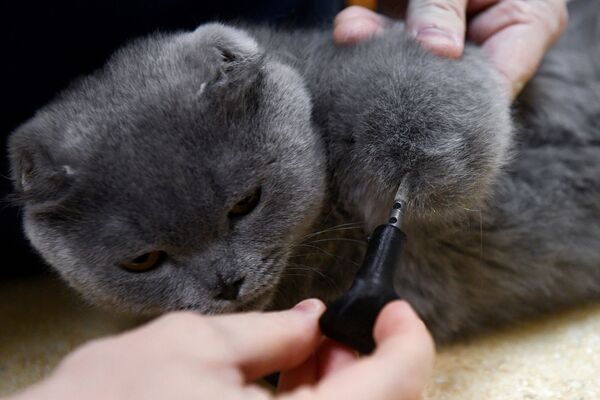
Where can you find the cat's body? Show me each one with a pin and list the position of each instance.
(503, 221)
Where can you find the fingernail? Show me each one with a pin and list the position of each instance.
(309, 306)
(348, 33)
(433, 32)
(355, 31)
(438, 39)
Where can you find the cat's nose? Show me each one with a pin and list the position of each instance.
(228, 288)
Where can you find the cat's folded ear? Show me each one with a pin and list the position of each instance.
(37, 177)
(235, 56)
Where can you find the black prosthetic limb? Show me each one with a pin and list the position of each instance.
(350, 319)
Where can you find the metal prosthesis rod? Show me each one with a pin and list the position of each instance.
(350, 319)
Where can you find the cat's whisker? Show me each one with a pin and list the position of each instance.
(304, 255)
(328, 280)
(338, 239)
(329, 214)
(470, 209)
(480, 230)
(302, 267)
(332, 230)
(327, 253)
(317, 248)
(350, 225)
(346, 224)
(308, 268)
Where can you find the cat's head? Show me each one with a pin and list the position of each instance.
(178, 176)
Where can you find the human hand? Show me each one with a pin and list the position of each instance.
(514, 34)
(188, 356)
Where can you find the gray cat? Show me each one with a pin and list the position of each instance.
(233, 169)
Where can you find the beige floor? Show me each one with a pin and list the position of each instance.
(555, 358)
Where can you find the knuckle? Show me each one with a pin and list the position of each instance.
(453, 7)
(350, 13)
(517, 10)
(179, 332)
(562, 16)
(288, 323)
(182, 320)
(553, 16)
(180, 326)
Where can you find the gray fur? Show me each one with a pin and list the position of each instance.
(151, 152)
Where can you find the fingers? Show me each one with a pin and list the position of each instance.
(329, 358)
(439, 25)
(548, 17)
(398, 369)
(304, 374)
(354, 24)
(516, 34)
(476, 6)
(333, 357)
(263, 343)
(256, 344)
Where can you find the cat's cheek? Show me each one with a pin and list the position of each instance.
(51, 246)
(55, 250)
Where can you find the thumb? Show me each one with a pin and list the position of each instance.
(262, 343)
(439, 25)
(355, 24)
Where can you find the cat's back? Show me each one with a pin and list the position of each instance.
(545, 213)
(561, 104)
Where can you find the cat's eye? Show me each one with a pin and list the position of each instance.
(145, 262)
(246, 205)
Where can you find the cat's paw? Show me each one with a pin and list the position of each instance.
(443, 127)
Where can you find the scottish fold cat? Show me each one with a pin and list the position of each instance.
(241, 168)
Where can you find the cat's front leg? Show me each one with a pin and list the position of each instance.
(443, 127)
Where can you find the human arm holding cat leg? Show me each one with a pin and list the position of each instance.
(219, 358)
(513, 34)
(350, 319)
